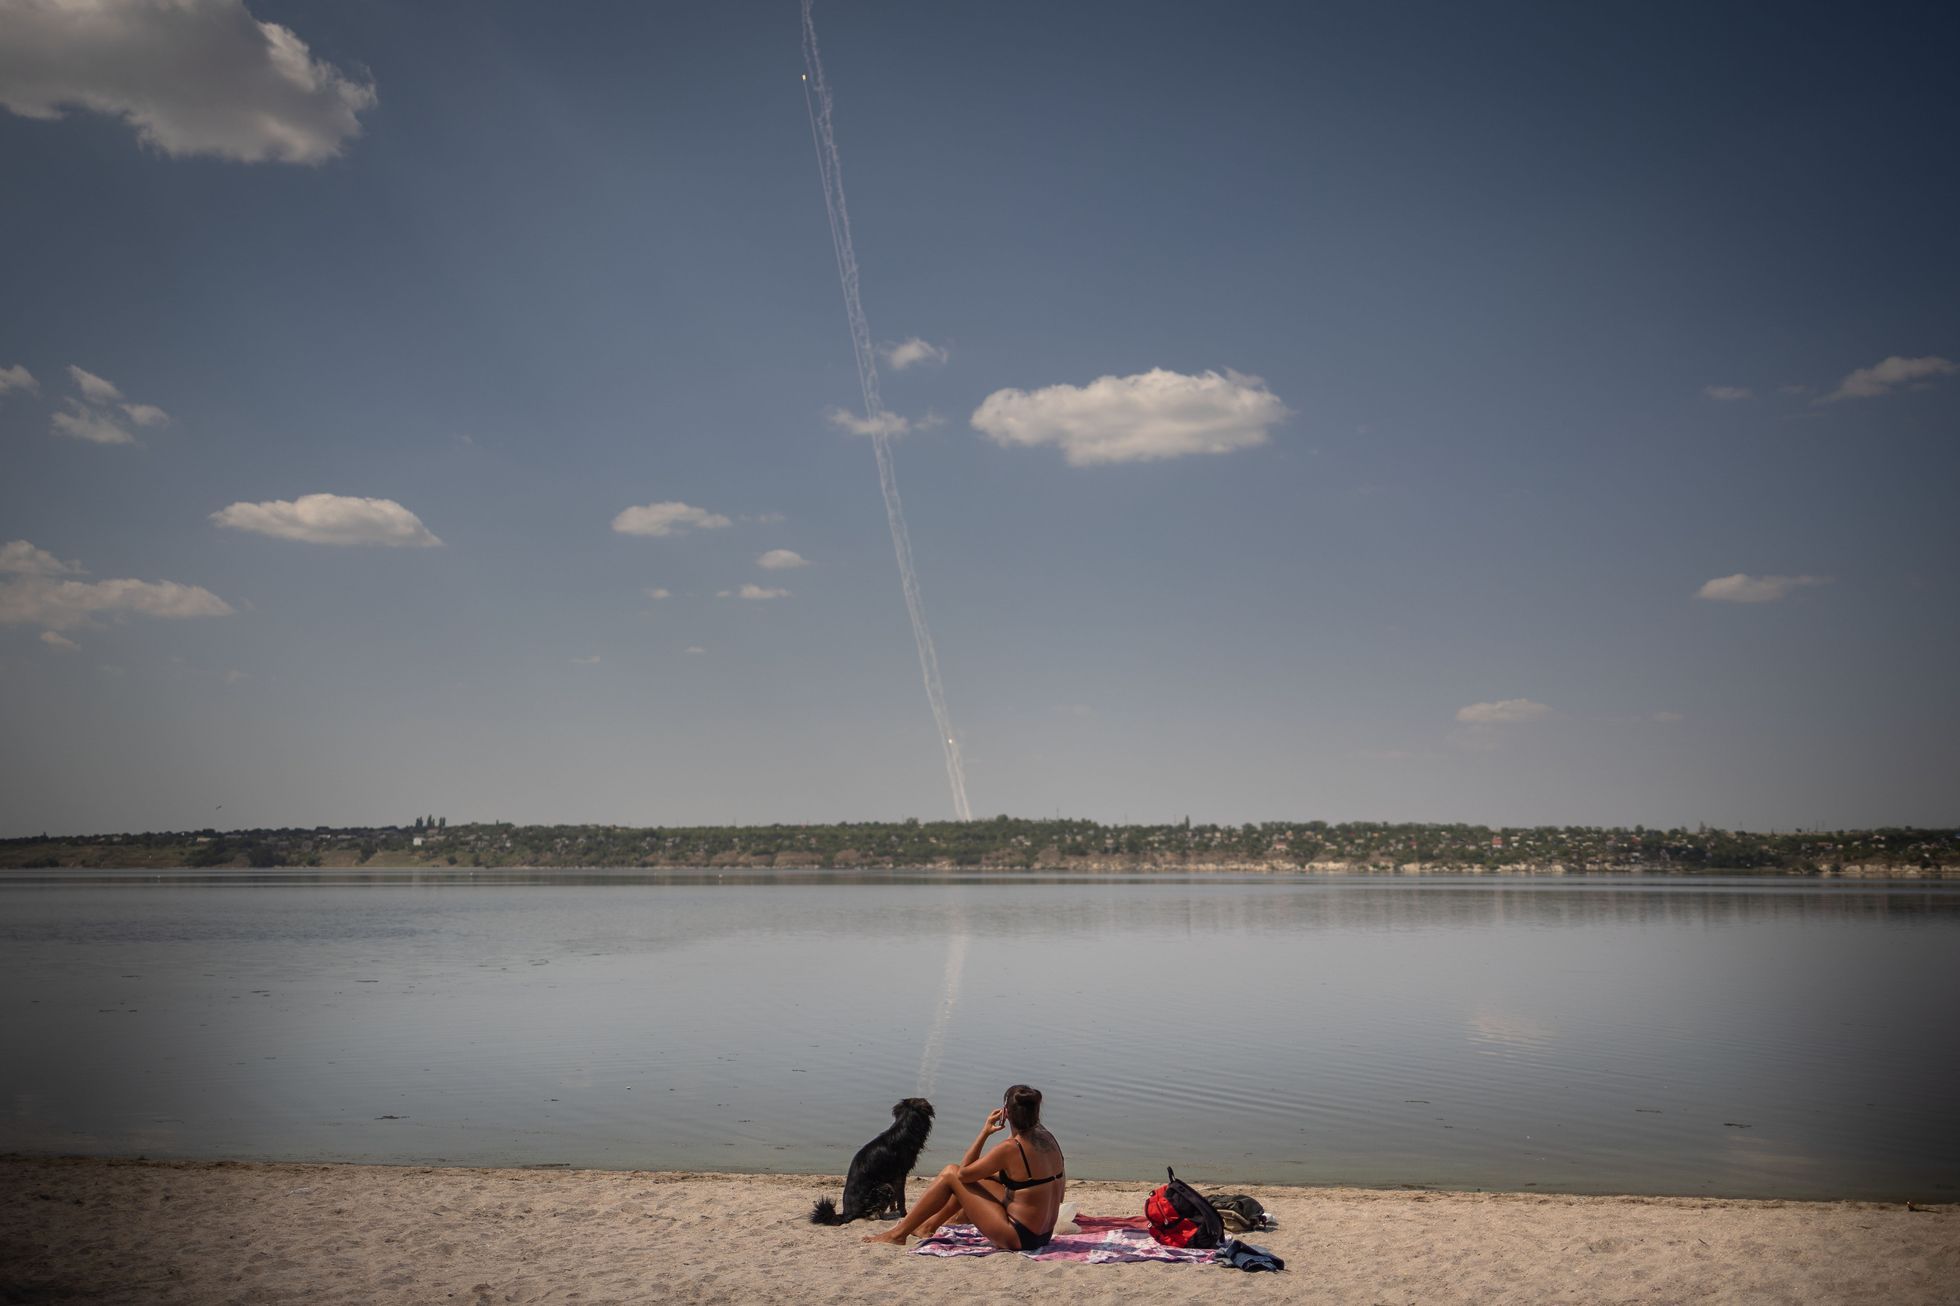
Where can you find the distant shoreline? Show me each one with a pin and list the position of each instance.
(1009, 844)
(87, 862)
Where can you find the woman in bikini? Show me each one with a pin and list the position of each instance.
(1012, 1194)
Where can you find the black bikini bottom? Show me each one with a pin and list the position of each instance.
(1030, 1240)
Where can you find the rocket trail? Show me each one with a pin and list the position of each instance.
(816, 98)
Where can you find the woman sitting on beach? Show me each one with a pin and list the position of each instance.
(1012, 1194)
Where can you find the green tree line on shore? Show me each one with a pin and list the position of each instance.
(1011, 843)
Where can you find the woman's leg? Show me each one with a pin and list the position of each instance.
(944, 1215)
(936, 1204)
(988, 1214)
(984, 1192)
(941, 1204)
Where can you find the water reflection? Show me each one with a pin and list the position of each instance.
(1606, 1034)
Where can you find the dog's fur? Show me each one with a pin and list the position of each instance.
(875, 1184)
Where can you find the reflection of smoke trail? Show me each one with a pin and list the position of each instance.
(817, 98)
(949, 997)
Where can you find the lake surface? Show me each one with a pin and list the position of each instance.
(1746, 1037)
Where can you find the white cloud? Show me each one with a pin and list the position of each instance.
(18, 378)
(1728, 393)
(233, 676)
(58, 642)
(694, 650)
(63, 604)
(94, 388)
(753, 592)
(656, 593)
(910, 352)
(1118, 419)
(592, 661)
(329, 519)
(1741, 588)
(1505, 711)
(19, 558)
(886, 423)
(1885, 377)
(781, 560)
(92, 417)
(670, 518)
(81, 422)
(191, 76)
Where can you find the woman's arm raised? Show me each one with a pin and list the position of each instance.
(996, 1121)
(984, 1167)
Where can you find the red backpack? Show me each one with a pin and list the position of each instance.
(1180, 1216)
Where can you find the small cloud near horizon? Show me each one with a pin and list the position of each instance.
(657, 593)
(1743, 588)
(335, 519)
(18, 377)
(1146, 417)
(1886, 377)
(781, 560)
(757, 593)
(1728, 393)
(58, 642)
(19, 558)
(95, 389)
(78, 421)
(886, 423)
(911, 352)
(34, 596)
(92, 417)
(670, 517)
(1505, 711)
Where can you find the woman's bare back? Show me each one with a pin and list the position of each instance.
(1036, 1206)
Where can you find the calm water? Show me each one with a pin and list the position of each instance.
(1747, 1037)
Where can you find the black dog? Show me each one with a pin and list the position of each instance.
(875, 1185)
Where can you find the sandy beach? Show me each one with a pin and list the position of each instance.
(138, 1231)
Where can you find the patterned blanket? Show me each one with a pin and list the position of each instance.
(1105, 1240)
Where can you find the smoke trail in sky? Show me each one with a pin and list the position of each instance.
(816, 95)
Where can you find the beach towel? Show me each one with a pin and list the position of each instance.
(1103, 1240)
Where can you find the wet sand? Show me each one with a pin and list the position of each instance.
(200, 1232)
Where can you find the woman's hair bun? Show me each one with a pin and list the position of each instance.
(1023, 1107)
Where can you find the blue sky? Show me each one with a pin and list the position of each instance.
(1519, 413)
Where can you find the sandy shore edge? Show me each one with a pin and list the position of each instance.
(96, 1230)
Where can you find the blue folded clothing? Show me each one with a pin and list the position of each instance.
(1244, 1256)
